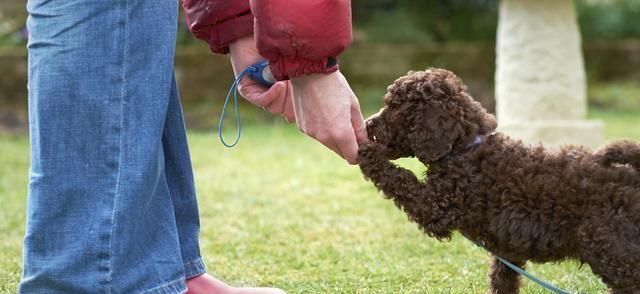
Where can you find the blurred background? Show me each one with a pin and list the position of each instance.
(391, 37)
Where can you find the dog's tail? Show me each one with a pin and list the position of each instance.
(625, 152)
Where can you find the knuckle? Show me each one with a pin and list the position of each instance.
(243, 90)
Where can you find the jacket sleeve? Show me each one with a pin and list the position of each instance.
(302, 36)
(218, 22)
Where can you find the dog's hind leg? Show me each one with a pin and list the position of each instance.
(502, 279)
(618, 270)
(619, 152)
(611, 246)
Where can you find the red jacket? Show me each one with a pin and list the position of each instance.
(298, 37)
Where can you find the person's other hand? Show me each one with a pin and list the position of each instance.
(276, 99)
(327, 110)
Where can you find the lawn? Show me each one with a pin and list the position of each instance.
(281, 210)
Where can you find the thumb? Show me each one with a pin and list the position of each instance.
(359, 126)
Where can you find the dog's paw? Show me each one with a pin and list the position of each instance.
(369, 152)
(372, 149)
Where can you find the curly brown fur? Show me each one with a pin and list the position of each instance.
(624, 152)
(522, 203)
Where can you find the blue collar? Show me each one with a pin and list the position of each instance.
(479, 139)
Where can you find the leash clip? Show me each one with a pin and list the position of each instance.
(261, 73)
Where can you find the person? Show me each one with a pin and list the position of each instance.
(111, 205)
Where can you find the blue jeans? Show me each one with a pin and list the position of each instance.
(111, 205)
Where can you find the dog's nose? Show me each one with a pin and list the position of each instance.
(371, 129)
(374, 116)
(369, 123)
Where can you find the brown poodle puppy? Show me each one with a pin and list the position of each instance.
(520, 202)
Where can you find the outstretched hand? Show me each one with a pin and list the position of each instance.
(323, 105)
(277, 99)
(327, 110)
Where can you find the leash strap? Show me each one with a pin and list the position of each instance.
(234, 90)
(260, 73)
(526, 274)
(531, 277)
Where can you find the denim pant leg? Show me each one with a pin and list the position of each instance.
(111, 202)
(179, 175)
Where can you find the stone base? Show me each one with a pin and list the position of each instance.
(556, 133)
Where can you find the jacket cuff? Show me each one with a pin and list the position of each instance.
(224, 33)
(292, 67)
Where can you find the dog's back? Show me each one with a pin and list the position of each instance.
(521, 202)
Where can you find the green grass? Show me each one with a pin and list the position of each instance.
(619, 125)
(281, 210)
(615, 96)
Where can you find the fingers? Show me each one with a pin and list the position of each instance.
(327, 110)
(289, 112)
(359, 126)
(352, 134)
(348, 146)
(282, 103)
(341, 141)
(258, 94)
(276, 99)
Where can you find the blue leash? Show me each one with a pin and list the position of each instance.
(233, 89)
(527, 275)
(531, 277)
(260, 73)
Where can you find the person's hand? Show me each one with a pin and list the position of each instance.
(276, 99)
(327, 110)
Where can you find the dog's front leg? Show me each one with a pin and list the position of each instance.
(432, 211)
(502, 279)
(394, 181)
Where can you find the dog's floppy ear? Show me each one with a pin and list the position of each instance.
(445, 118)
(439, 128)
(484, 122)
(436, 124)
(433, 132)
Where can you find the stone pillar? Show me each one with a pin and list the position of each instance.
(540, 75)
